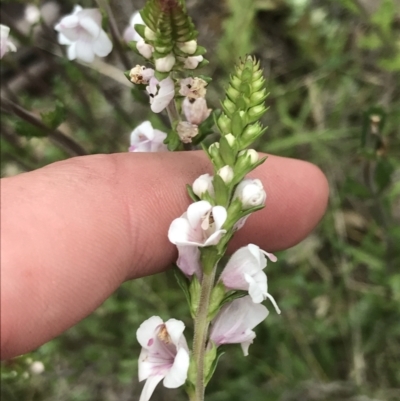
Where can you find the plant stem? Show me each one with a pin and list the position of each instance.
(68, 144)
(201, 324)
(115, 33)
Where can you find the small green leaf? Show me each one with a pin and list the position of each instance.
(192, 195)
(383, 173)
(55, 117)
(28, 130)
(183, 282)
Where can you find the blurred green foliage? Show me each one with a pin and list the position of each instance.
(333, 70)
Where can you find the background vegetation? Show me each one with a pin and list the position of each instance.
(333, 70)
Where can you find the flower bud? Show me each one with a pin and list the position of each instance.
(188, 47)
(213, 152)
(36, 368)
(256, 112)
(203, 184)
(187, 131)
(231, 140)
(251, 193)
(226, 173)
(165, 64)
(149, 34)
(249, 154)
(224, 123)
(144, 49)
(191, 63)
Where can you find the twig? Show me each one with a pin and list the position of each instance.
(67, 143)
(115, 33)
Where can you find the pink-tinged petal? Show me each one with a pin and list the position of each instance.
(147, 329)
(84, 51)
(151, 88)
(145, 368)
(144, 49)
(92, 13)
(175, 330)
(219, 214)
(89, 25)
(270, 256)
(189, 260)
(150, 385)
(246, 344)
(63, 40)
(102, 46)
(235, 321)
(214, 238)
(196, 212)
(70, 35)
(257, 287)
(142, 132)
(164, 96)
(179, 231)
(177, 375)
(68, 22)
(71, 52)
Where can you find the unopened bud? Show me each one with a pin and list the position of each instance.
(165, 64)
(36, 368)
(144, 49)
(149, 34)
(251, 193)
(203, 184)
(192, 62)
(230, 139)
(226, 173)
(249, 154)
(188, 47)
(224, 123)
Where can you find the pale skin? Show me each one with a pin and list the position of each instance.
(74, 231)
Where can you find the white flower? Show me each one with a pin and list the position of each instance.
(144, 49)
(5, 44)
(130, 33)
(203, 184)
(193, 87)
(32, 14)
(83, 34)
(192, 62)
(195, 110)
(251, 193)
(235, 321)
(186, 131)
(226, 173)
(165, 64)
(161, 93)
(200, 226)
(164, 355)
(145, 138)
(140, 74)
(244, 271)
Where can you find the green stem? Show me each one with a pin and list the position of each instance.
(201, 324)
